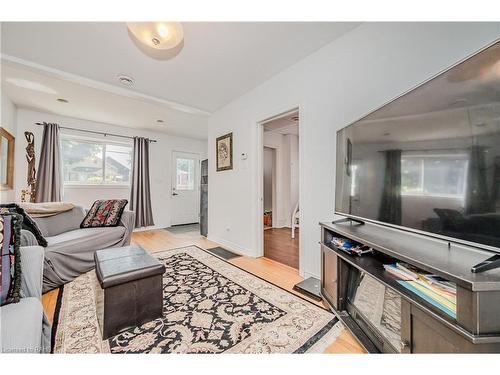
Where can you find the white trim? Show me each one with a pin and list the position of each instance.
(259, 181)
(143, 229)
(69, 186)
(73, 78)
(308, 275)
(197, 181)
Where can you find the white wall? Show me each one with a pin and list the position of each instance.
(281, 207)
(333, 87)
(287, 175)
(8, 117)
(160, 161)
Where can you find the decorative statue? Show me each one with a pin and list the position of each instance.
(30, 158)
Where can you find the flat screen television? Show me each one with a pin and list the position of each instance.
(429, 161)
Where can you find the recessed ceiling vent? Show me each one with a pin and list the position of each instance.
(126, 80)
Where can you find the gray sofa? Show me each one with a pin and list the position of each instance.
(70, 250)
(24, 327)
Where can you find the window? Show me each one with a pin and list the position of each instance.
(434, 175)
(95, 162)
(354, 180)
(185, 174)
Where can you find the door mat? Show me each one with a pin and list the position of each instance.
(223, 253)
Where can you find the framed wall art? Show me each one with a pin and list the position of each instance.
(224, 152)
(6, 160)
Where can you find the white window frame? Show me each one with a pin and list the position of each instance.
(103, 142)
(194, 175)
(422, 175)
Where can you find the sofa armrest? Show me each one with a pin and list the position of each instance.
(32, 271)
(28, 238)
(128, 221)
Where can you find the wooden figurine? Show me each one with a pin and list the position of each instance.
(30, 158)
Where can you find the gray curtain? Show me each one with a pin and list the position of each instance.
(49, 179)
(478, 200)
(390, 207)
(140, 194)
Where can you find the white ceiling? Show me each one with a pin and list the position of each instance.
(283, 125)
(32, 89)
(219, 61)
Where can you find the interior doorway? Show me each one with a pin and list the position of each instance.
(280, 189)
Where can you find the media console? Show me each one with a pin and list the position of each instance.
(386, 317)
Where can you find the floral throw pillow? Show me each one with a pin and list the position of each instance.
(104, 213)
(10, 263)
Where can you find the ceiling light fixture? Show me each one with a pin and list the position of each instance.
(158, 35)
(62, 100)
(126, 80)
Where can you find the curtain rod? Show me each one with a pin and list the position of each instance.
(102, 133)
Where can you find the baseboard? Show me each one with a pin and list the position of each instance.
(309, 274)
(281, 224)
(235, 248)
(143, 229)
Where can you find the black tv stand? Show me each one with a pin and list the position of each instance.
(487, 264)
(472, 327)
(348, 220)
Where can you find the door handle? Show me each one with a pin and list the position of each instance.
(174, 193)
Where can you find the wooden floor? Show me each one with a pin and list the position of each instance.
(279, 246)
(270, 270)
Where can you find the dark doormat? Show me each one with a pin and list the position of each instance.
(223, 253)
(310, 287)
(185, 228)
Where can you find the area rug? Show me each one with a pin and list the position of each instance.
(210, 306)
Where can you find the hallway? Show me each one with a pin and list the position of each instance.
(279, 246)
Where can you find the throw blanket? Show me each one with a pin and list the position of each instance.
(46, 209)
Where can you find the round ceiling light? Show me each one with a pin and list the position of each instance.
(161, 36)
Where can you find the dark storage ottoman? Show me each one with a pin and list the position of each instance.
(131, 291)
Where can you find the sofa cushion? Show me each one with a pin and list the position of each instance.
(72, 253)
(104, 213)
(60, 223)
(89, 238)
(10, 258)
(21, 326)
(28, 223)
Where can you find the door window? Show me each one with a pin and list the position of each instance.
(185, 174)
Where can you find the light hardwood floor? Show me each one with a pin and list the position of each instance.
(270, 270)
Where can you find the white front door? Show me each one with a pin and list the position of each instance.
(185, 188)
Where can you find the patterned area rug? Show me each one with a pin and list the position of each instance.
(210, 306)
